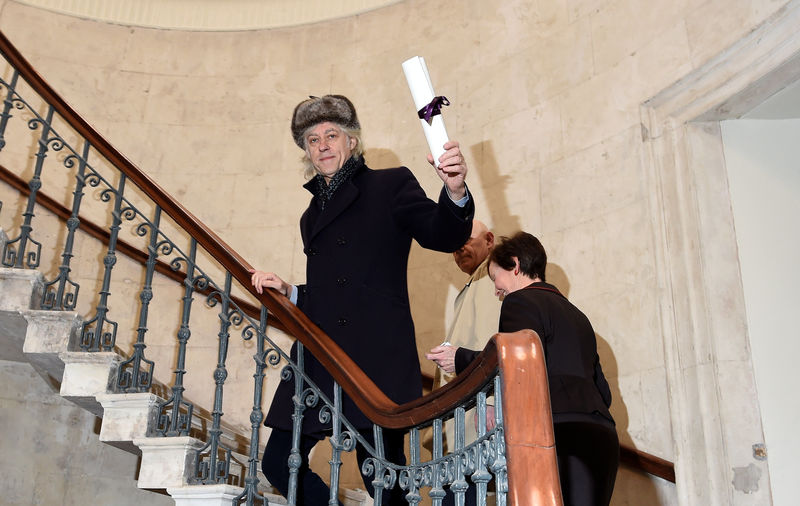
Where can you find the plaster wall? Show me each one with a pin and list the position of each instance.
(546, 104)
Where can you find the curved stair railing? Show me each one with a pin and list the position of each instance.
(517, 453)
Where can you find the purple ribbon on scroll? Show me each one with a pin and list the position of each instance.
(434, 108)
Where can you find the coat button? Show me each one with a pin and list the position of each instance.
(311, 252)
(341, 281)
(342, 322)
(340, 241)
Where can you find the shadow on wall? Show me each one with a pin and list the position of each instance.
(381, 158)
(494, 185)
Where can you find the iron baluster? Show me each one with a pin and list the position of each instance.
(136, 373)
(18, 256)
(413, 497)
(378, 483)
(459, 485)
(297, 424)
(179, 424)
(214, 470)
(336, 445)
(481, 476)
(7, 105)
(498, 465)
(97, 338)
(437, 493)
(250, 492)
(55, 294)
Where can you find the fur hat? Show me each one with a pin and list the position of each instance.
(334, 108)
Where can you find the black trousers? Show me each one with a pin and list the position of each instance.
(588, 458)
(311, 490)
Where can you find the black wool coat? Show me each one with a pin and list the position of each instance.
(577, 383)
(356, 288)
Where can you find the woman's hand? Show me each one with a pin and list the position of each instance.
(444, 356)
(261, 280)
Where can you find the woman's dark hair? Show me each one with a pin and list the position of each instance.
(528, 250)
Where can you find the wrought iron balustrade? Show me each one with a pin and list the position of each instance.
(517, 453)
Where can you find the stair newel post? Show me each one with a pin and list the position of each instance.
(15, 252)
(299, 400)
(209, 468)
(136, 373)
(529, 439)
(498, 449)
(8, 103)
(262, 356)
(171, 420)
(94, 336)
(56, 294)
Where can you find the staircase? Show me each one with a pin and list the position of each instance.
(47, 339)
(143, 396)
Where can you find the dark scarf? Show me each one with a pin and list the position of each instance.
(325, 191)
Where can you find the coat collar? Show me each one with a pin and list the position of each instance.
(344, 196)
(480, 271)
(313, 186)
(541, 285)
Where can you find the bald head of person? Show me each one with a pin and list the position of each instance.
(481, 241)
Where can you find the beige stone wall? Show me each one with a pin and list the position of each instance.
(546, 103)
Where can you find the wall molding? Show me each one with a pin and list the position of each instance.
(707, 354)
(210, 15)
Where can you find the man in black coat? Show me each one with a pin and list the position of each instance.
(357, 233)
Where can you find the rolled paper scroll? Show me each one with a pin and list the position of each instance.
(427, 104)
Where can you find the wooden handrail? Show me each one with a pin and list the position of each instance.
(647, 463)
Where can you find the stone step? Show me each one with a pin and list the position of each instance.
(18, 288)
(127, 417)
(87, 375)
(49, 334)
(214, 495)
(34, 336)
(166, 460)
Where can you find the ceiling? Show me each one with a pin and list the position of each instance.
(222, 15)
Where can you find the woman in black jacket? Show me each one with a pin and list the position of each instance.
(586, 439)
